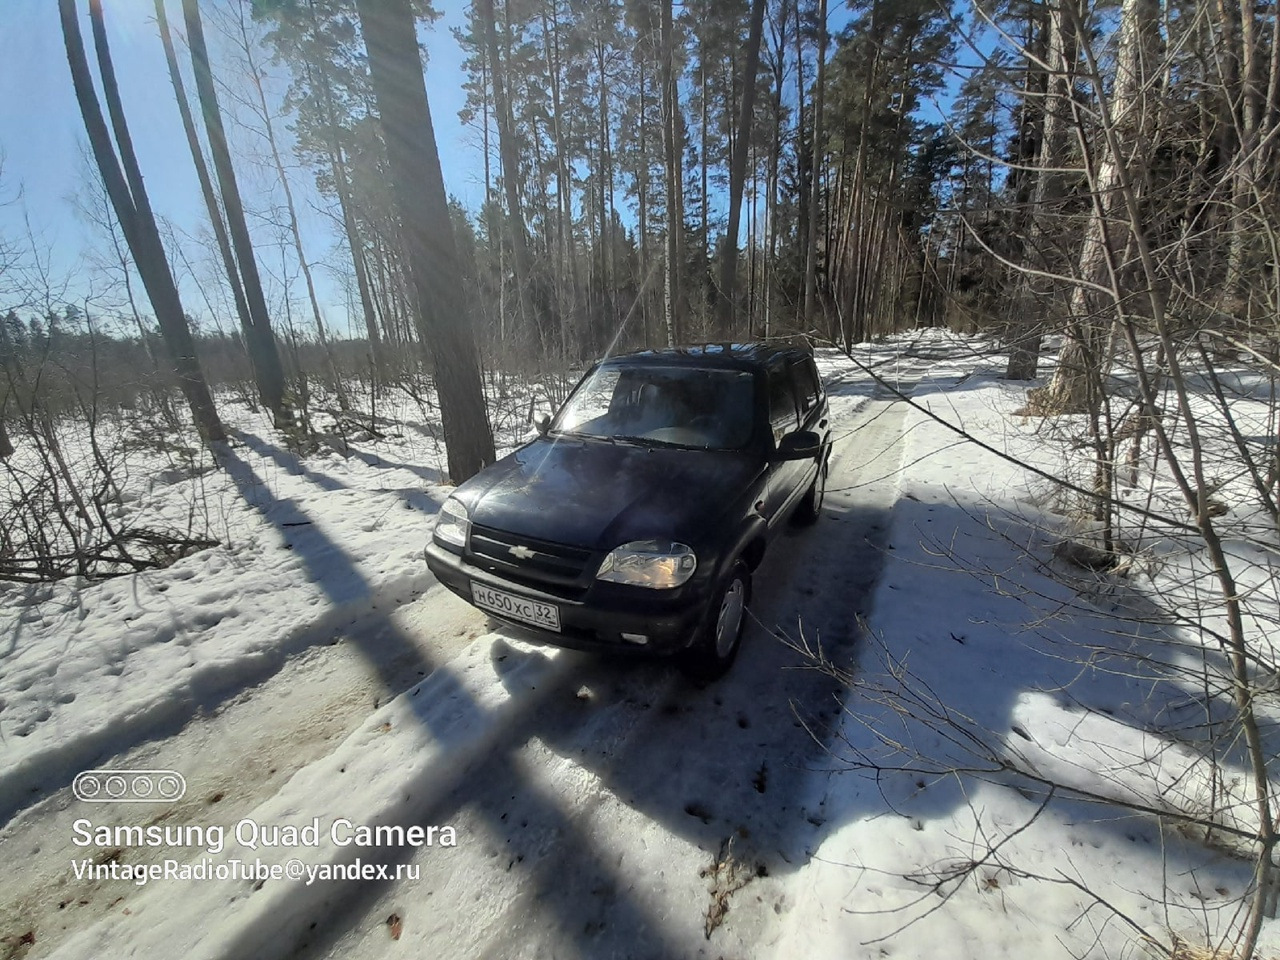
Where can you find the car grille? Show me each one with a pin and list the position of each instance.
(555, 567)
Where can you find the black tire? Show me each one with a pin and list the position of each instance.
(720, 639)
(810, 508)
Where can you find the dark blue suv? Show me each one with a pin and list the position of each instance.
(634, 521)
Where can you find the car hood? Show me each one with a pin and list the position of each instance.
(597, 495)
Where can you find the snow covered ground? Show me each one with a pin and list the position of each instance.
(309, 672)
(1001, 695)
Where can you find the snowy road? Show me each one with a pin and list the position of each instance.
(614, 810)
(632, 806)
(234, 755)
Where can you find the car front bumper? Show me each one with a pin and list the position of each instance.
(669, 619)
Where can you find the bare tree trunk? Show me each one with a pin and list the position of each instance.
(1241, 76)
(1081, 360)
(747, 322)
(564, 200)
(510, 171)
(704, 162)
(775, 155)
(342, 186)
(802, 198)
(674, 169)
(262, 346)
(202, 175)
(642, 197)
(396, 70)
(738, 170)
(1024, 350)
(811, 244)
(604, 174)
(268, 127)
(133, 210)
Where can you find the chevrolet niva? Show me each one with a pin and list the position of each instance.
(635, 519)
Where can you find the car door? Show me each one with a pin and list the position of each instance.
(813, 401)
(814, 411)
(784, 418)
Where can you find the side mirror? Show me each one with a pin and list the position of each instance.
(800, 445)
(542, 423)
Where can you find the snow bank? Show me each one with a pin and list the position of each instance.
(307, 549)
(981, 656)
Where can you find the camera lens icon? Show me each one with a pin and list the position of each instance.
(129, 786)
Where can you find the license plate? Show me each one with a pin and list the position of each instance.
(524, 609)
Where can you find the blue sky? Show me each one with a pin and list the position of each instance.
(41, 131)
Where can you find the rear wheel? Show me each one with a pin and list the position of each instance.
(810, 507)
(713, 653)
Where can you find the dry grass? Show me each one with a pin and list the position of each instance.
(1182, 950)
(727, 875)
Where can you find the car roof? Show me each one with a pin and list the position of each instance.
(739, 355)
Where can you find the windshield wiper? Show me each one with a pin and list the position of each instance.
(617, 438)
(652, 442)
(577, 435)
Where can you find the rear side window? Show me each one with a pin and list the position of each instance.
(808, 385)
(782, 404)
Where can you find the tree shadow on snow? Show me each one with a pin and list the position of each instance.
(731, 762)
(289, 462)
(1001, 659)
(382, 641)
(377, 461)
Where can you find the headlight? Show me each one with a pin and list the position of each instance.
(452, 524)
(658, 564)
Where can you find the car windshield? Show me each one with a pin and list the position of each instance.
(699, 407)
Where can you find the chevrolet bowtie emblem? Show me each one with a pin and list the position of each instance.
(521, 552)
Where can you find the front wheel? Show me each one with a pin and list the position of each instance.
(810, 507)
(713, 653)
